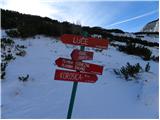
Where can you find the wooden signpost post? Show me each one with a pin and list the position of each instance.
(85, 72)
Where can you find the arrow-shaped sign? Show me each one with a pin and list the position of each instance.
(80, 66)
(84, 41)
(81, 55)
(74, 76)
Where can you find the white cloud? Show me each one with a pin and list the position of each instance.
(35, 7)
(64, 10)
(67, 10)
(88, 13)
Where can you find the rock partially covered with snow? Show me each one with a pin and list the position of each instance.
(151, 26)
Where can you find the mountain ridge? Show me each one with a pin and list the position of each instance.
(152, 26)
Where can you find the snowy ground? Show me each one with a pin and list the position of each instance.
(151, 38)
(43, 97)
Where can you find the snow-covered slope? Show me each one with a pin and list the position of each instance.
(151, 26)
(43, 97)
(150, 38)
(142, 36)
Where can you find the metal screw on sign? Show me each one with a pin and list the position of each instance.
(75, 84)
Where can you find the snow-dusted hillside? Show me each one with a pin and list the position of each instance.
(43, 97)
(142, 36)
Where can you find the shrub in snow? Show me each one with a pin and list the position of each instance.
(155, 58)
(3, 68)
(133, 40)
(147, 68)
(3, 46)
(9, 50)
(7, 41)
(21, 53)
(9, 57)
(116, 72)
(21, 46)
(23, 78)
(3, 73)
(129, 71)
(139, 50)
(13, 33)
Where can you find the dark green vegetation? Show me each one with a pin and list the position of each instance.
(147, 68)
(25, 25)
(3, 69)
(126, 39)
(148, 33)
(6, 55)
(20, 50)
(6, 42)
(23, 78)
(131, 71)
(138, 50)
(9, 50)
(29, 25)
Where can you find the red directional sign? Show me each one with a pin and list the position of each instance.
(81, 55)
(80, 66)
(74, 76)
(84, 41)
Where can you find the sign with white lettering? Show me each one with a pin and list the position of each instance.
(85, 72)
(84, 41)
(75, 76)
(81, 55)
(80, 66)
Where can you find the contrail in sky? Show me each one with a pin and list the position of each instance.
(133, 18)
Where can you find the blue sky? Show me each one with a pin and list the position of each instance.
(129, 16)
